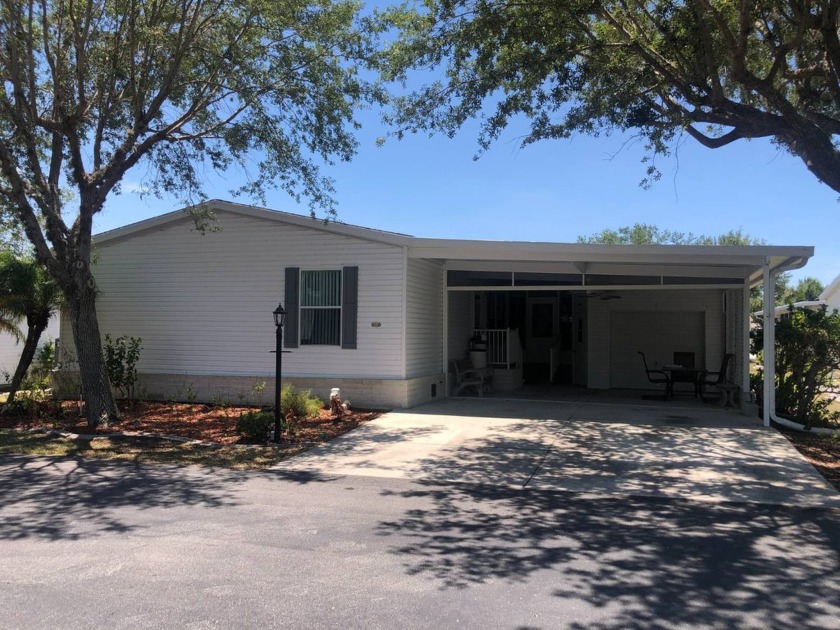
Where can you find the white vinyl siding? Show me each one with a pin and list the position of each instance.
(203, 303)
(601, 313)
(658, 334)
(424, 318)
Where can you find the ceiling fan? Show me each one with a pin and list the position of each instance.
(599, 294)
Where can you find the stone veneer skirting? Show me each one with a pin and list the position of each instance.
(234, 390)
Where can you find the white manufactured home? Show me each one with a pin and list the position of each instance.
(384, 315)
(11, 347)
(831, 295)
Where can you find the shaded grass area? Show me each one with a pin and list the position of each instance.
(145, 450)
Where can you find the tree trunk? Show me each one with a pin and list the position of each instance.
(816, 149)
(96, 388)
(30, 346)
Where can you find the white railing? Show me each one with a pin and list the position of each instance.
(502, 345)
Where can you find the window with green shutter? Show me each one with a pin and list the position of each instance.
(322, 307)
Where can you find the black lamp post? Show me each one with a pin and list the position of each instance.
(279, 320)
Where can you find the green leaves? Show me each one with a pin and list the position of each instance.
(121, 357)
(96, 87)
(807, 354)
(26, 290)
(646, 234)
(718, 71)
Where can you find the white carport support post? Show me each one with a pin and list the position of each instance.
(769, 396)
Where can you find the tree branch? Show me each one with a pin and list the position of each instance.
(717, 142)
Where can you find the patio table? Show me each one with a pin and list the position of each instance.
(680, 374)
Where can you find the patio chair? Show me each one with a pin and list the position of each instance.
(715, 379)
(466, 376)
(658, 377)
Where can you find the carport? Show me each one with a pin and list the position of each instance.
(578, 314)
(617, 448)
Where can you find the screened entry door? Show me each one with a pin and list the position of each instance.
(540, 329)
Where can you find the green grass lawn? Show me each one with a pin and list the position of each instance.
(145, 450)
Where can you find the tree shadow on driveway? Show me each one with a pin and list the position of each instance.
(67, 499)
(640, 563)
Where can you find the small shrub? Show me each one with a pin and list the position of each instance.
(45, 360)
(190, 395)
(298, 404)
(256, 391)
(255, 425)
(121, 357)
(35, 389)
(220, 399)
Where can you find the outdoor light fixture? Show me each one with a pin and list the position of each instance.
(279, 320)
(279, 315)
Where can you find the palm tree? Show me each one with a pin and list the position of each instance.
(26, 292)
(9, 323)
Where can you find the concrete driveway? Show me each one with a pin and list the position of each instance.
(614, 449)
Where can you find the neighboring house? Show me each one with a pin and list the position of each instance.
(381, 315)
(831, 295)
(10, 348)
(784, 309)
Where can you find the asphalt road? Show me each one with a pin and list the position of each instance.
(87, 544)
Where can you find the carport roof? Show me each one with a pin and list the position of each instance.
(711, 261)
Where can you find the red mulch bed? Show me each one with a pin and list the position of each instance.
(196, 421)
(822, 451)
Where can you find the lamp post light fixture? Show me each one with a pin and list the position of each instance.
(279, 320)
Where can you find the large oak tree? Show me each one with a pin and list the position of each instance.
(93, 88)
(716, 70)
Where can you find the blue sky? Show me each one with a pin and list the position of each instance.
(556, 191)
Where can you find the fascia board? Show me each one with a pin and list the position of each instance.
(176, 216)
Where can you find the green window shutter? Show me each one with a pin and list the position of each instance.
(349, 307)
(290, 334)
